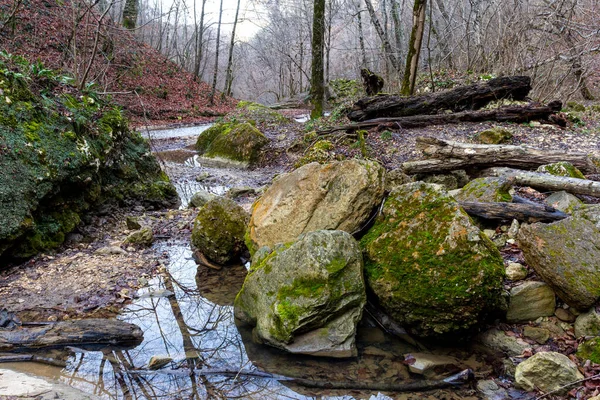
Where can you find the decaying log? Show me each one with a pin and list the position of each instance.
(539, 180)
(518, 211)
(515, 114)
(71, 333)
(471, 97)
(447, 156)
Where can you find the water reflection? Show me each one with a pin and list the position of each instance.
(176, 132)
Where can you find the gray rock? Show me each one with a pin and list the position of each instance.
(110, 250)
(495, 135)
(431, 269)
(144, 237)
(561, 168)
(488, 189)
(491, 391)
(588, 324)
(306, 297)
(339, 195)
(132, 223)
(566, 255)
(497, 340)
(433, 366)
(546, 371)
(529, 301)
(563, 201)
(200, 198)
(513, 231)
(564, 315)
(516, 271)
(591, 212)
(540, 335)
(218, 231)
(395, 178)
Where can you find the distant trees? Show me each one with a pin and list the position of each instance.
(130, 14)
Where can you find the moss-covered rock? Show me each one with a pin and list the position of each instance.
(566, 255)
(488, 189)
(590, 350)
(143, 237)
(430, 267)
(219, 230)
(60, 155)
(494, 135)
(306, 296)
(257, 113)
(320, 151)
(562, 168)
(575, 106)
(239, 142)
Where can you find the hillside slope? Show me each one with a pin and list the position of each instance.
(71, 37)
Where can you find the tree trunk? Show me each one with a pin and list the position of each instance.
(521, 212)
(71, 333)
(414, 48)
(229, 77)
(317, 87)
(506, 114)
(361, 40)
(540, 180)
(216, 70)
(130, 14)
(471, 97)
(199, 39)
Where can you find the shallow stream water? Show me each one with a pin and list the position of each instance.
(186, 314)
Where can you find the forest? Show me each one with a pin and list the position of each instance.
(295, 199)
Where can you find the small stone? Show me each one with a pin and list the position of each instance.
(281, 137)
(157, 362)
(510, 241)
(497, 340)
(546, 371)
(200, 198)
(516, 271)
(587, 324)
(110, 250)
(202, 177)
(540, 335)
(52, 318)
(132, 223)
(143, 237)
(513, 231)
(490, 390)
(499, 241)
(489, 233)
(432, 366)
(529, 301)
(564, 315)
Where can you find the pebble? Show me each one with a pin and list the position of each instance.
(564, 315)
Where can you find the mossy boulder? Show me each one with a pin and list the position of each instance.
(338, 196)
(321, 151)
(566, 255)
(562, 168)
(61, 155)
(430, 267)
(488, 189)
(494, 135)
(590, 350)
(240, 142)
(219, 229)
(306, 296)
(143, 237)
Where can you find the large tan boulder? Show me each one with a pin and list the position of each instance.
(336, 196)
(546, 371)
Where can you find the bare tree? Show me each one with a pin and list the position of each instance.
(229, 77)
(216, 69)
(414, 48)
(317, 86)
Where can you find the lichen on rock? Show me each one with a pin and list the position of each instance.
(240, 142)
(431, 269)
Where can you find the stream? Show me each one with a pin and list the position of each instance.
(186, 314)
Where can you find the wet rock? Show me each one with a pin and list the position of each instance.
(157, 362)
(516, 271)
(540, 335)
(488, 189)
(218, 231)
(546, 371)
(494, 135)
(306, 297)
(497, 340)
(490, 390)
(590, 350)
(20, 385)
(110, 250)
(339, 195)
(529, 301)
(395, 178)
(563, 201)
(431, 269)
(432, 366)
(561, 168)
(566, 255)
(200, 198)
(143, 237)
(588, 324)
(240, 142)
(132, 223)
(564, 315)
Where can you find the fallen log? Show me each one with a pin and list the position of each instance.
(518, 211)
(540, 180)
(503, 155)
(471, 97)
(71, 333)
(517, 114)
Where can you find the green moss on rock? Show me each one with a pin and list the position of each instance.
(488, 189)
(562, 168)
(590, 350)
(320, 152)
(494, 135)
(429, 266)
(233, 141)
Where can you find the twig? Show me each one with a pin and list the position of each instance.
(589, 378)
